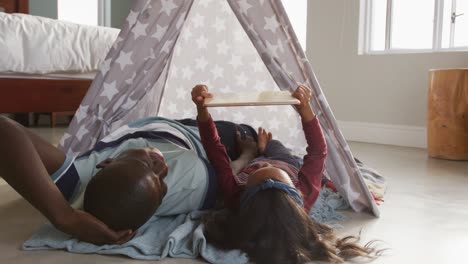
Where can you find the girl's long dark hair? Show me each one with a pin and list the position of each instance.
(272, 228)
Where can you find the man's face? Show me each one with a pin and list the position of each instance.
(145, 162)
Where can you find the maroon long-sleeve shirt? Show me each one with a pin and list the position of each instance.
(310, 174)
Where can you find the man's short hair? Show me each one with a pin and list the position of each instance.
(122, 199)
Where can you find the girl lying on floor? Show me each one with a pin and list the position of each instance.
(271, 197)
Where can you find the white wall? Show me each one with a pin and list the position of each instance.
(371, 94)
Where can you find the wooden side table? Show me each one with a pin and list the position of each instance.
(447, 115)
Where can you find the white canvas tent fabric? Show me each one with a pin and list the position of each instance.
(168, 46)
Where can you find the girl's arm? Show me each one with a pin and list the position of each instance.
(310, 175)
(215, 151)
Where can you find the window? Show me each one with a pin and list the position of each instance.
(392, 26)
(88, 12)
(297, 13)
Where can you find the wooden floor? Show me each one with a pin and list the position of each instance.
(423, 219)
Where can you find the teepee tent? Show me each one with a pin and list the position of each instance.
(168, 46)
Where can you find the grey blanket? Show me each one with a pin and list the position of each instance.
(176, 236)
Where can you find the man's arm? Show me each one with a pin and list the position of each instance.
(240, 163)
(51, 157)
(248, 149)
(26, 162)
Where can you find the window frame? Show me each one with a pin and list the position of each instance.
(104, 13)
(366, 24)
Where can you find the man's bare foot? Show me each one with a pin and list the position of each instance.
(263, 138)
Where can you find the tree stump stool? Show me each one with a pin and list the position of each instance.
(447, 115)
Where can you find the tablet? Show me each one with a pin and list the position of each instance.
(251, 99)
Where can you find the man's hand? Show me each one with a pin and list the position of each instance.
(247, 145)
(303, 94)
(87, 228)
(199, 93)
(248, 151)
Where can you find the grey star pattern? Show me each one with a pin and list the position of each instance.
(198, 21)
(140, 29)
(81, 133)
(187, 73)
(129, 104)
(236, 61)
(133, 76)
(217, 72)
(105, 67)
(130, 80)
(244, 6)
(81, 113)
(168, 6)
(200, 63)
(219, 24)
(109, 90)
(167, 46)
(271, 24)
(223, 47)
(117, 42)
(118, 104)
(260, 85)
(124, 59)
(239, 35)
(202, 42)
(242, 79)
(172, 108)
(257, 65)
(205, 3)
(226, 89)
(180, 22)
(273, 123)
(225, 8)
(273, 49)
(239, 117)
(132, 17)
(160, 31)
(187, 34)
(181, 93)
(64, 138)
(174, 71)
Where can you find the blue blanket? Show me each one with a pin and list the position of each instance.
(176, 236)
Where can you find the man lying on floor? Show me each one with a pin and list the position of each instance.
(154, 166)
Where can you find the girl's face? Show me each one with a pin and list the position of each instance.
(266, 171)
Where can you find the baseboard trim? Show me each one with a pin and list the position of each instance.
(408, 136)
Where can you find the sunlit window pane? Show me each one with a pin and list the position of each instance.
(412, 24)
(378, 24)
(297, 13)
(81, 12)
(461, 24)
(446, 23)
